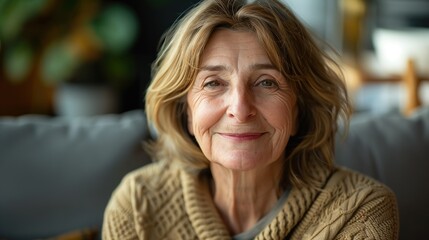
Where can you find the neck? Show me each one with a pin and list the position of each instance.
(244, 197)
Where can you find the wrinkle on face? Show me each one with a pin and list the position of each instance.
(228, 96)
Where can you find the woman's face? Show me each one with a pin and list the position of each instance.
(241, 109)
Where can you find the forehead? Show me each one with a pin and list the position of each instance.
(226, 42)
(224, 35)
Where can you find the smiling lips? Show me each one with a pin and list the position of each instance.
(242, 136)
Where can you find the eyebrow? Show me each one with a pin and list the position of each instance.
(257, 66)
(213, 68)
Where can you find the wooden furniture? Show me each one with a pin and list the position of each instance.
(412, 85)
(356, 77)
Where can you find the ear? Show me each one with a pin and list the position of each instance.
(189, 120)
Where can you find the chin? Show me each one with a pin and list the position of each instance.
(242, 164)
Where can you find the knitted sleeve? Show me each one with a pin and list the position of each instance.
(118, 220)
(377, 218)
(351, 206)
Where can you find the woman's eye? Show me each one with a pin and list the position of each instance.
(212, 84)
(267, 83)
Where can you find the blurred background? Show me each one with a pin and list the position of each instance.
(77, 57)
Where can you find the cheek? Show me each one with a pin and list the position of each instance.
(202, 115)
(282, 114)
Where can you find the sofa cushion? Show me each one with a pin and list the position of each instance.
(395, 150)
(57, 174)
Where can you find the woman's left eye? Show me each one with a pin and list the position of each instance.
(267, 83)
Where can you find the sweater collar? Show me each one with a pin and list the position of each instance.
(207, 222)
(296, 206)
(200, 208)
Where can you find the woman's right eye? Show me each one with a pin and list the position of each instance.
(212, 84)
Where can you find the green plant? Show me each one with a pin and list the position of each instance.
(67, 40)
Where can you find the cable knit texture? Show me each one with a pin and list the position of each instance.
(159, 202)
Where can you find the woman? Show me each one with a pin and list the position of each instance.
(245, 108)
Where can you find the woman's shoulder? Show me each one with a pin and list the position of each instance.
(352, 204)
(352, 191)
(351, 181)
(146, 199)
(145, 186)
(151, 176)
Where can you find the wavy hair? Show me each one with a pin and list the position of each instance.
(321, 93)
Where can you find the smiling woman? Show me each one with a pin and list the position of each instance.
(246, 109)
(233, 104)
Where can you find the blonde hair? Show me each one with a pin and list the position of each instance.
(321, 94)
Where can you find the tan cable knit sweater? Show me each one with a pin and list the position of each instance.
(160, 203)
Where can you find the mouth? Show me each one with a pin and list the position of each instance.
(241, 136)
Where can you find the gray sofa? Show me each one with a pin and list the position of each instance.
(56, 174)
(395, 150)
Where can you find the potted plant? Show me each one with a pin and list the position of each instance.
(69, 43)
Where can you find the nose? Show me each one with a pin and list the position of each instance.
(241, 105)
